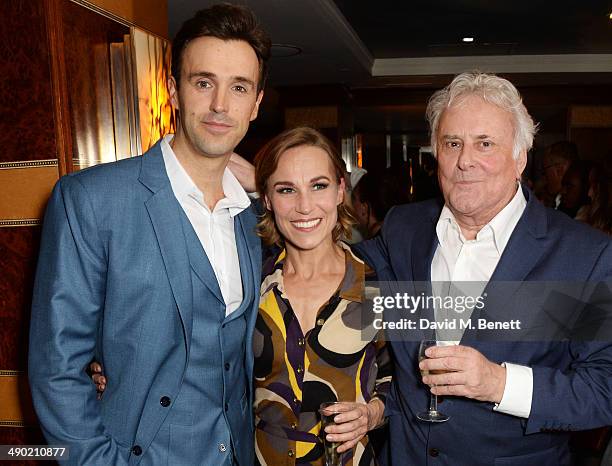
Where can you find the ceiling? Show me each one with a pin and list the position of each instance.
(430, 28)
(408, 42)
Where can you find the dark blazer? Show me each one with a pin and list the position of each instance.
(114, 282)
(572, 380)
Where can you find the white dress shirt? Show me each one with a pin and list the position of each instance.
(215, 229)
(459, 260)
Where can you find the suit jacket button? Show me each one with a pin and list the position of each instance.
(290, 453)
(226, 407)
(434, 452)
(222, 447)
(137, 450)
(164, 401)
(227, 366)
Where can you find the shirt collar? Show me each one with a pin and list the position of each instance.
(501, 226)
(236, 199)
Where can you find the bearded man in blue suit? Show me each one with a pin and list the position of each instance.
(151, 266)
(510, 403)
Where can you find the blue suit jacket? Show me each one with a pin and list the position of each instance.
(114, 282)
(572, 381)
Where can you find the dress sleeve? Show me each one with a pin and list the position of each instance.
(385, 368)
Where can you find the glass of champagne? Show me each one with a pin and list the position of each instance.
(328, 411)
(431, 415)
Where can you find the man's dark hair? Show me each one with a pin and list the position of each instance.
(225, 22)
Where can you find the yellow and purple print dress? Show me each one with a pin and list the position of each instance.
(295, 373)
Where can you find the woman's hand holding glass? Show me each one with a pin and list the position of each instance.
(353, 422)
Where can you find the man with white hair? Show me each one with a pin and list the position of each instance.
(510, 403)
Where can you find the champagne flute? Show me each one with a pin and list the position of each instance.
(328, 411)
(432, 415)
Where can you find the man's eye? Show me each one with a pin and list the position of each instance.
(239, 88)
(486, 144)
(319, 186)
(203, 84)
(453, 144)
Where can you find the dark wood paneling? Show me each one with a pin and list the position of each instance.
(26, 116)
(18, 253)
(87, 36)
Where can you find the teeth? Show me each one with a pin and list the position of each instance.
(309, 224)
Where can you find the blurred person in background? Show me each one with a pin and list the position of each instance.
(557, 159)
(575, 188)
(352, 180)
(598, 213)
(372, 198)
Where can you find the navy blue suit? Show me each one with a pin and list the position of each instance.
(572, 381)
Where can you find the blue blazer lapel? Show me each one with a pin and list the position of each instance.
(424, 244)
(249, 250)
(528, 243)
(164, 212)
(249, 253)
(248, 223)
(200, 263)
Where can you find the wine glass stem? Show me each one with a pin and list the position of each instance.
(433, 403)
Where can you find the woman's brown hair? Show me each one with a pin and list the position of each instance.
(266, 162)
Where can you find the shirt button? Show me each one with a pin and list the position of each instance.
(300, 369)
(137, 450)
(301, 341)
(434, 452)
(164, 401)
(290, 453)
(222, 447)
(295, 401)
(320, 322)
(293, 425)
(227, 366)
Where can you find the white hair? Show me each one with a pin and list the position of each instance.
(492, 89)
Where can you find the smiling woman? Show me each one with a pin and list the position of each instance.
(311, 343)
(305, 148)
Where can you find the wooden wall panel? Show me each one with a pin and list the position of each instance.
(316, 117)
(18, 253)
(26, 116)
(150, 14)
(15, 400)
(592, 116)
(24, 190)
(87, 37)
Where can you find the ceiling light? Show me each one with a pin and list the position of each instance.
(610, 15)
(467, 39)
(285, 50)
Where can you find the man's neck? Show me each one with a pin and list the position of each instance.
(471, 224)
(206, 172)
